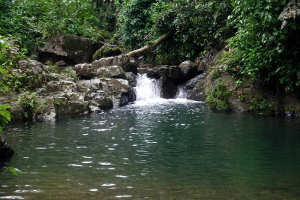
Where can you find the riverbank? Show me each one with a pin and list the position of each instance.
(60, 86)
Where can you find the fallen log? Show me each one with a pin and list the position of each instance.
(150, 46)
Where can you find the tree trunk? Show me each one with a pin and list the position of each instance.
(151, 46)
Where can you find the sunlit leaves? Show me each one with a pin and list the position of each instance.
(5, 116)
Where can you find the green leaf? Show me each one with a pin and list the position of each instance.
(14, 171)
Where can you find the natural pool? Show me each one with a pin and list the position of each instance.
(169, 149)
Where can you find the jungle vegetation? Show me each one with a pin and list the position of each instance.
(263, 36)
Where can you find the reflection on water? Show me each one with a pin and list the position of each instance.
(167, 150)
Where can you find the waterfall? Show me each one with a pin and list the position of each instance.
(147, 89)
(148, 92)
(181, 94)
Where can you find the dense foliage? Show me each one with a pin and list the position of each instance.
(30, 20)
(262, 50)
(262, 45)
(4, 113)
(199, 26)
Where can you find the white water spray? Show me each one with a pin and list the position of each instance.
(148, 92)
(147, 89)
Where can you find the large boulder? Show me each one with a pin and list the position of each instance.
(68, 48)
(195, 88)
(111, 67)
(119, 90)
(173, 73)
(189, 70)
(110, 61)
(84, 70)
(168, 88)
(110, 72)
(176, 74)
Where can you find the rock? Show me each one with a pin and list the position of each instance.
(131, 78)
(62, 85)
(61, 63)
(44, 110)
(84, 70)
(15, 46)
(110, 61)
(65, 108)
(153, 74)
(173, 73)
(195, 88)
(110, 72)
(189, 70)
(119, 89)
(292, 105)
(99, 90)
(5, 150)
(177, 74)
(69, 48)
(16, 111)
(168, 88)
(34, 66)
(129, 67)
(104, 103)
(170, 77)
(106, 51)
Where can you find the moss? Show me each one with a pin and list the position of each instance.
(71, 43)
(106, 104)
(217, 96)
(106, 51)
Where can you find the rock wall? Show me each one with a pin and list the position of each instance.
(103, 87)
(108, 83)
(66, 49)
(172, 77)
(220, 90)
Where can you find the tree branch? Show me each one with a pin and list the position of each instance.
(151, 46)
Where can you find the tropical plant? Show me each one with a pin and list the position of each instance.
(5, 116)
(31, 20)
(4, 113)
(261, 48)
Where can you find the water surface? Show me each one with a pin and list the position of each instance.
(170, 149)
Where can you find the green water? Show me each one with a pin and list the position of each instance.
(167, 150)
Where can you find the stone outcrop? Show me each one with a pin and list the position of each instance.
(70, 49)
(195, 88)
(173, 76)
(111, 67)
(102, 85)
(111, 61)
(189, 70)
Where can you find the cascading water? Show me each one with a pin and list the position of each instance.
(147, 89)
(181, 94)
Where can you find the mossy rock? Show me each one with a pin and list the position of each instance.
(106, 104)
(106, 51)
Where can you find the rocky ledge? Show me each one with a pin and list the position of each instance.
(103, 84)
